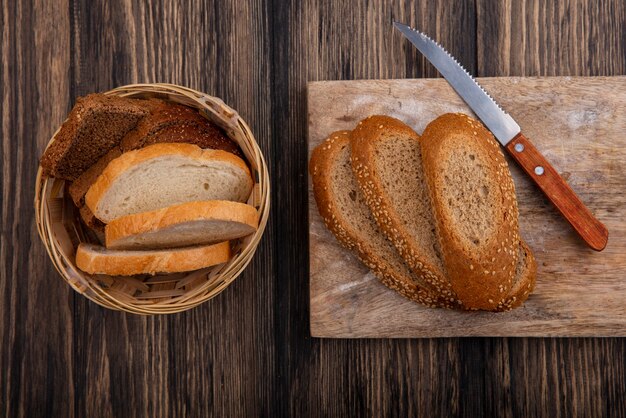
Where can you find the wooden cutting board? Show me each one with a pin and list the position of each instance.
(579, 124)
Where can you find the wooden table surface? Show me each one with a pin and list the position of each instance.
(249, 352)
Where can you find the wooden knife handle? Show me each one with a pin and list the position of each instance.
(559, 192)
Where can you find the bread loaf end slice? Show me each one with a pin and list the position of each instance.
(473, 197)
(345, 213)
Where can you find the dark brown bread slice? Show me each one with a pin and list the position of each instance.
(161, 116)
(346, 215)
(387, 164)
(524, 282)
(473, 198)
(79, 187)
(95, 125)
(90, 219)
(205, 135)
(171, 122)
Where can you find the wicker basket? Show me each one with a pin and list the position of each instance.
(61, 230)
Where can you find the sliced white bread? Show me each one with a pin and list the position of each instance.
(473, 198)
(192, 223)
(95, 259)
(387, 164)
(345, 213)
(163, 175)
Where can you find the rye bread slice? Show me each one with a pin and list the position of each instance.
(205, 135)
(95, 125)
(78, 188)
(473, 198)
(345, 213)
(387, 164)
(90, 219)
(170, 122)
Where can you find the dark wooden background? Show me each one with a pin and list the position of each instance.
(248, 352)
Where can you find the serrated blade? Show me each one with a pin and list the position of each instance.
(500, 123)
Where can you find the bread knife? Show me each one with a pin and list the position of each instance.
(509, 134)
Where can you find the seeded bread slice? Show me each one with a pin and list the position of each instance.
(170, 122)
(192, 223)
(473, 198)
(341, 205)
(524, 282)
(163, 175)
(387, 164)
(95, 259)
(95, 125)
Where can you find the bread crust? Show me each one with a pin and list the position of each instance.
(61, 160)
(81, 185)
(524, 285)
(320, 168)
(130, 159)
(363, 142)
(153, 221)
(482, 274)
(171, 122)
(94, 259)
(90, 219)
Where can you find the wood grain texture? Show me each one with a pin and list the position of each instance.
(578, 123)
(36, 348)
(249, 352)
(557, 190)
(549, 38)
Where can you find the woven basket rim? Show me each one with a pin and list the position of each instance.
(218, 278)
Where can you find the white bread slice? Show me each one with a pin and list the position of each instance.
(192, 223)
(163, 175)
(95, 259)
(473, 198)
(346, 215)
(387, 164)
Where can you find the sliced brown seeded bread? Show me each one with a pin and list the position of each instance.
(95, 125)
(387, 164)
(473, 198)
(524, 281)
(170, 122)
(341, 205)
(205, 135)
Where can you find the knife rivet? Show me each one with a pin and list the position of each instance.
(539, 170)
(519, 147)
